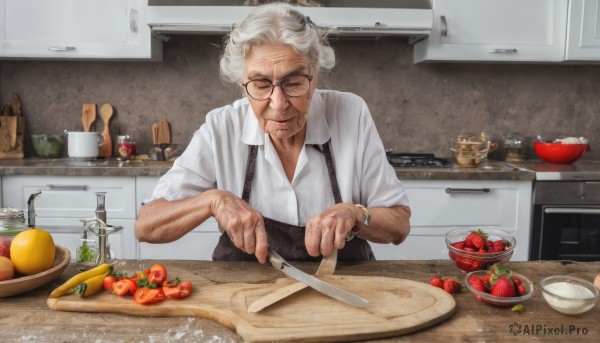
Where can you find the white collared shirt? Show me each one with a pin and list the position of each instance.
(218, 153)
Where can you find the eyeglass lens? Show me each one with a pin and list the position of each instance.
(294, 85)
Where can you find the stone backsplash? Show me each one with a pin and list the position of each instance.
(417, 108)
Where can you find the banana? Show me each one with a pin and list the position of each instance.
(91, 285)
(79, 278)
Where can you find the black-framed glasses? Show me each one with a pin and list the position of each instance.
(293, 85)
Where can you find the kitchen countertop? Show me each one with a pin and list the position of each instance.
(26, 318)
(489, 170)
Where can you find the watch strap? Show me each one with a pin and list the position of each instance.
(356, 229)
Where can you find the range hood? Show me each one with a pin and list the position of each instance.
(352, 18)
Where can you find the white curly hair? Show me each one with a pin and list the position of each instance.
(272, 24)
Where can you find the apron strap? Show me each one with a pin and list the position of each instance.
(331, 169)
(253, 149)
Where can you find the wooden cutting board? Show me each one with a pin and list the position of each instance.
(396, 307)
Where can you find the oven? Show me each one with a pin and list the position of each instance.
(566, 221)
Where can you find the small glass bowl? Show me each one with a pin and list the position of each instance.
(569, 294)
(470, 150)
(469, 261)
(500, 301)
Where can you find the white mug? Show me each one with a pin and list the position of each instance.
(84, 145)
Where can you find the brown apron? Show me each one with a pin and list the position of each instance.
(288, 240)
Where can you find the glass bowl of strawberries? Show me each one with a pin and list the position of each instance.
(499, 286)
(477, 249)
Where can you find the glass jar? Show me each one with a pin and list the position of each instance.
(12, 221)
(514, 148)
(87, 254)
(126, 147)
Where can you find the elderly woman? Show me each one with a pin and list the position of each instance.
(288, 167)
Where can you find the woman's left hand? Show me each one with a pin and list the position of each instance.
(328, 230)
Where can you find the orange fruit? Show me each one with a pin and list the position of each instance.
(32, 251)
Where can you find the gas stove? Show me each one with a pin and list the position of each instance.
(409, 160)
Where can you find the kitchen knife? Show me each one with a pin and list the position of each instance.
(326, 267)
(337, 293)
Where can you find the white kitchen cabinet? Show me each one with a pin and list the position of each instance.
(439, 206)
(64, 200)
(492, 30)
(196, 245)
(72, 29)
(583, 37)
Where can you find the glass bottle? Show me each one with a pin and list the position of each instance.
(514, 148)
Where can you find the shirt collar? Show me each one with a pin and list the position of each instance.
(317, 129)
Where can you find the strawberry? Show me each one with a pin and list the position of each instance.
(503, 287)
(463, 263)
(521, 289)
(459, 245)
(451, 286)
(499, 245)
(476, 239)
(436, 281)
(477, 284)
(477, 264)
(487, 278)
(516, 279)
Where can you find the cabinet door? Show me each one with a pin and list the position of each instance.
(196, 245)
(439, 206)
(583, 36)
(69, 29)
(491, 30)
(65, 200)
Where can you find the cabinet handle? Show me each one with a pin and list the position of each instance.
(444, 29)
(503, 51)
(67, 187)
(61, 48)
(133, 18)
(571, 210)
(467, 190)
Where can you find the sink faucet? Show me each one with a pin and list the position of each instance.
(102, 237)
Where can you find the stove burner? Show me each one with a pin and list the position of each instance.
(408, 160)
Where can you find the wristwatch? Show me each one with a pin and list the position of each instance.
(357, 228)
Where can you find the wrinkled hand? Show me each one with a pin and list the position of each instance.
(243, 224)
(328, 230)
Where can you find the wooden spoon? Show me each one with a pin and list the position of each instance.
(106, 112)
(88, 116)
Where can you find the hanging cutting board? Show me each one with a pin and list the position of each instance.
(164, 132)
(106, 112)
(396, 307)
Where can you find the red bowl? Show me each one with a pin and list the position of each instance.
(559, 152)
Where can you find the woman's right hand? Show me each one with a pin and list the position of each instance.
(243, 224)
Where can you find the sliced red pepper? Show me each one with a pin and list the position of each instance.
(121, 287)
(158, 274)
(145, 295)
(177, 289)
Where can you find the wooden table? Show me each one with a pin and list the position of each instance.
(26, 318)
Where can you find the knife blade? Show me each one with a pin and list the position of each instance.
(323, 287)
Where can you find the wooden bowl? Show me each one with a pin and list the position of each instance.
(22, 284)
